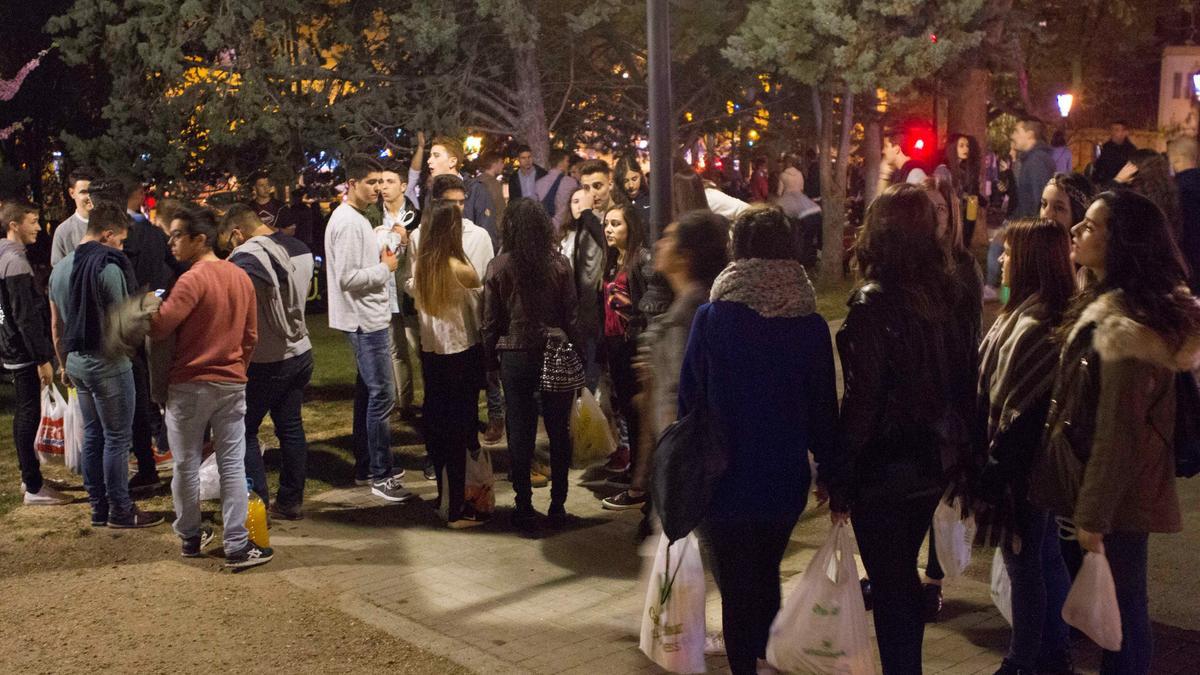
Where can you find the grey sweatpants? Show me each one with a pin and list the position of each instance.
(191, 408)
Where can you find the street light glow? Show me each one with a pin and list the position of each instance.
(1064, 104)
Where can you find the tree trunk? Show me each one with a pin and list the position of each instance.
(967, 97)
(833, 192)
(872, 155)
(534, 128)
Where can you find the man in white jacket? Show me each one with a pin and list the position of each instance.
(359, 270)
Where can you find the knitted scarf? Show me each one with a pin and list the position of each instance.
(773, 288)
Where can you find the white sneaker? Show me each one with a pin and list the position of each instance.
(47, 496)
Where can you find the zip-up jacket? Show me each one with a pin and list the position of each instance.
(24, 311)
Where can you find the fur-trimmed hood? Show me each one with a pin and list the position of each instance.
(1119, 336)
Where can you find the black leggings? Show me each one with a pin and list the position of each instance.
(452, 383)
(745, 557)
(621, 353)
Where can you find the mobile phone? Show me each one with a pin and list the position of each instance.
(160, 292)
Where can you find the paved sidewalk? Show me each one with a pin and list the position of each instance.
(569, 602)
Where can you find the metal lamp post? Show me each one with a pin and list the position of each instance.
(658, 38)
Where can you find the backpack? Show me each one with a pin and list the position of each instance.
(1187, 424)
(552, 196)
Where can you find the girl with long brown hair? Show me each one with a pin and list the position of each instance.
(1017, 364)
(446, 290)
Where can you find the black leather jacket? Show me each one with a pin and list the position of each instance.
(510, 324)
(901, 428)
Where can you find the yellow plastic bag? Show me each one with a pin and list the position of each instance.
(591, 438)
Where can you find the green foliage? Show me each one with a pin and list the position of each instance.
(864, 45)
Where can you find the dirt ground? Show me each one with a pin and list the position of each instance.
(78, 599)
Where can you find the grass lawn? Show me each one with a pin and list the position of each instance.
(328, 417)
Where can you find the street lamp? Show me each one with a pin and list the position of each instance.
(1065, 101)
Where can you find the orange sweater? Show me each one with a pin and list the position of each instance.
(212, 312)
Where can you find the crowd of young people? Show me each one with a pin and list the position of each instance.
(1012, 417)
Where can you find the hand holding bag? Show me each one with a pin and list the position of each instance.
(822, 626)
(49, 442)
(1091, 605)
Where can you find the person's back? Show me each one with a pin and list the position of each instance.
(212, 309)
(770, 379)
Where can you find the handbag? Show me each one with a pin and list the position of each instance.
(562, 370)
(689, 460)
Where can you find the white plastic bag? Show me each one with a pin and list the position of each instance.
(1001, 586)
(673, 618)
(952, 539)
(480, 491)
(49, 439)
(73, 433)
(822, 627)
(591, 437)
(1091, 605)
(210, 479)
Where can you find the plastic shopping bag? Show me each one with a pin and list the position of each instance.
(1001, 587)
(1091, 605)
(673, 618)
(591, 438)
(952, 538)
(822, 626)
(210, 479)
(481, 482)
(73, 433)
(49, 439)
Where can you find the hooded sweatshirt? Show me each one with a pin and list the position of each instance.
(24, 312)
(281, 269)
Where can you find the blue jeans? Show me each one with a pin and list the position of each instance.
(107, 407)
(1126, 553)
(374, 398)
(495, 398)
(278, 388)
(1039, 589)
(193, 407)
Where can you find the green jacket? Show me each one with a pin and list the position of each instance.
(1107, 460)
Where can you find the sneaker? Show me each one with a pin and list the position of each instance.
(136, 520)
(537, 480)
(469, 518)
(618, 462)
(392, 490)
(47, 496)
(430, 473)
(931, 602)
(363, 482)
(250, 556)
(143, 483)
(714, 643)
(162, 458)
(193, 547)
(285, 512)
(494, 432)
(623, 501)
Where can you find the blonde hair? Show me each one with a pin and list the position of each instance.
(439, 286)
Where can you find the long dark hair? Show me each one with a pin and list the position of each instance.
(1153, 180)
(1079, 192)
(1040, 264)
(1143, 261)
(965, 172)
(626, 165)
(635, 240)
(687, 189)
(897, 246)
(529, 240)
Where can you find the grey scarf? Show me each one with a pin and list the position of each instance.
(773, 288)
